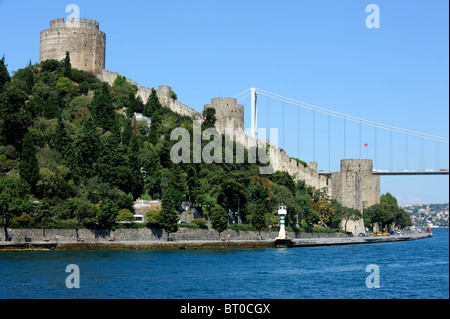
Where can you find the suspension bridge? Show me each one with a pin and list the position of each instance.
(321, 135)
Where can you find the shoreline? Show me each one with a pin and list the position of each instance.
(205, 244)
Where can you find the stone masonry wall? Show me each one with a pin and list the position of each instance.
(356, 187)
(86, 44)
(149, 234)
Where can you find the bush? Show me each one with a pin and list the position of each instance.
(243, 227)
(201, 222)
(125, 215)
(145, 197)
(24, 219)
(151, 218)
(50, 65)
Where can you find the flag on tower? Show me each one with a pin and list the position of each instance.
(366, 145)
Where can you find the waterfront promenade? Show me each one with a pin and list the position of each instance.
(205, 243)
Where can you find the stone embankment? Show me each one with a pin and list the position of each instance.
(128, 239)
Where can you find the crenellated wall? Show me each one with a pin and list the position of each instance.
(230, 121)
(354, 186)
(82, 38)
(164, 94)
(229, 114)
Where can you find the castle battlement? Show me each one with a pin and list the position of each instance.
(354, 186)
(82, 38)
(218, 100)
(83, 23)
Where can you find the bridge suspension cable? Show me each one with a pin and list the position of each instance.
(346, 117)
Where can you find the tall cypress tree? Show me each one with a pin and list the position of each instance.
(61, 140)
(168, 217)
(102, 111)
(153, 105)
(4, 75)
(84, 150)
(219, 218)
(28, 166)
(258, 205)
(67, 70)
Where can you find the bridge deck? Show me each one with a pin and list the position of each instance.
(401, 173)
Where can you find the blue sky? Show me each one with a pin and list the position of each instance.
(317, 52)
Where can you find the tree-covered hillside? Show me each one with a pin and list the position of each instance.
(72, 154)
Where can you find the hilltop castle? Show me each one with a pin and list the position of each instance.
(354, 186)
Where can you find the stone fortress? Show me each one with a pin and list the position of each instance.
(82, 38)
(354, 186)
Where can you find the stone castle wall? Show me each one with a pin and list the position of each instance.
(82, 38)
(356, 187)
(164, 94)
(229, 114)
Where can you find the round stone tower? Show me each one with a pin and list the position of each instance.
(82, 38)
(229, 114)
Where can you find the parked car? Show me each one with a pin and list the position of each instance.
(362, 234)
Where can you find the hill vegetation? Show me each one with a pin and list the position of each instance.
(72, 154)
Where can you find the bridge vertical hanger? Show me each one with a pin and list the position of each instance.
(254, 113)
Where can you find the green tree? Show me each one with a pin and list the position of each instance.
(84, 150)
(67, 67)
(219, 219)
(206, 203)
(102, 111)
(54, 182)
(168, 217)
(342, 213)
(123, 95)
(382, 214)
(15, 116)
(324, 210)
(64, 86)
(43, 214)
(388, 199)
(14, 200)
(193, 182)
(113, 164)
(125, 215)
(28, 165)
(209, 115)
(284, 179)
(61, 140)
(258, 205)
(153, 106)
(24, 79)
(4, 74)
(137, 178)
(107, 213)
(402, 218)
(151, 170)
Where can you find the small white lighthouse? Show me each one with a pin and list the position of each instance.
(282, 212)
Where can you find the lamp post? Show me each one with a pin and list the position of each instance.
(185, 228)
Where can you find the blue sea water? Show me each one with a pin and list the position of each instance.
(407, 270)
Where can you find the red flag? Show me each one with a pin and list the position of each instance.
(366, 145)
